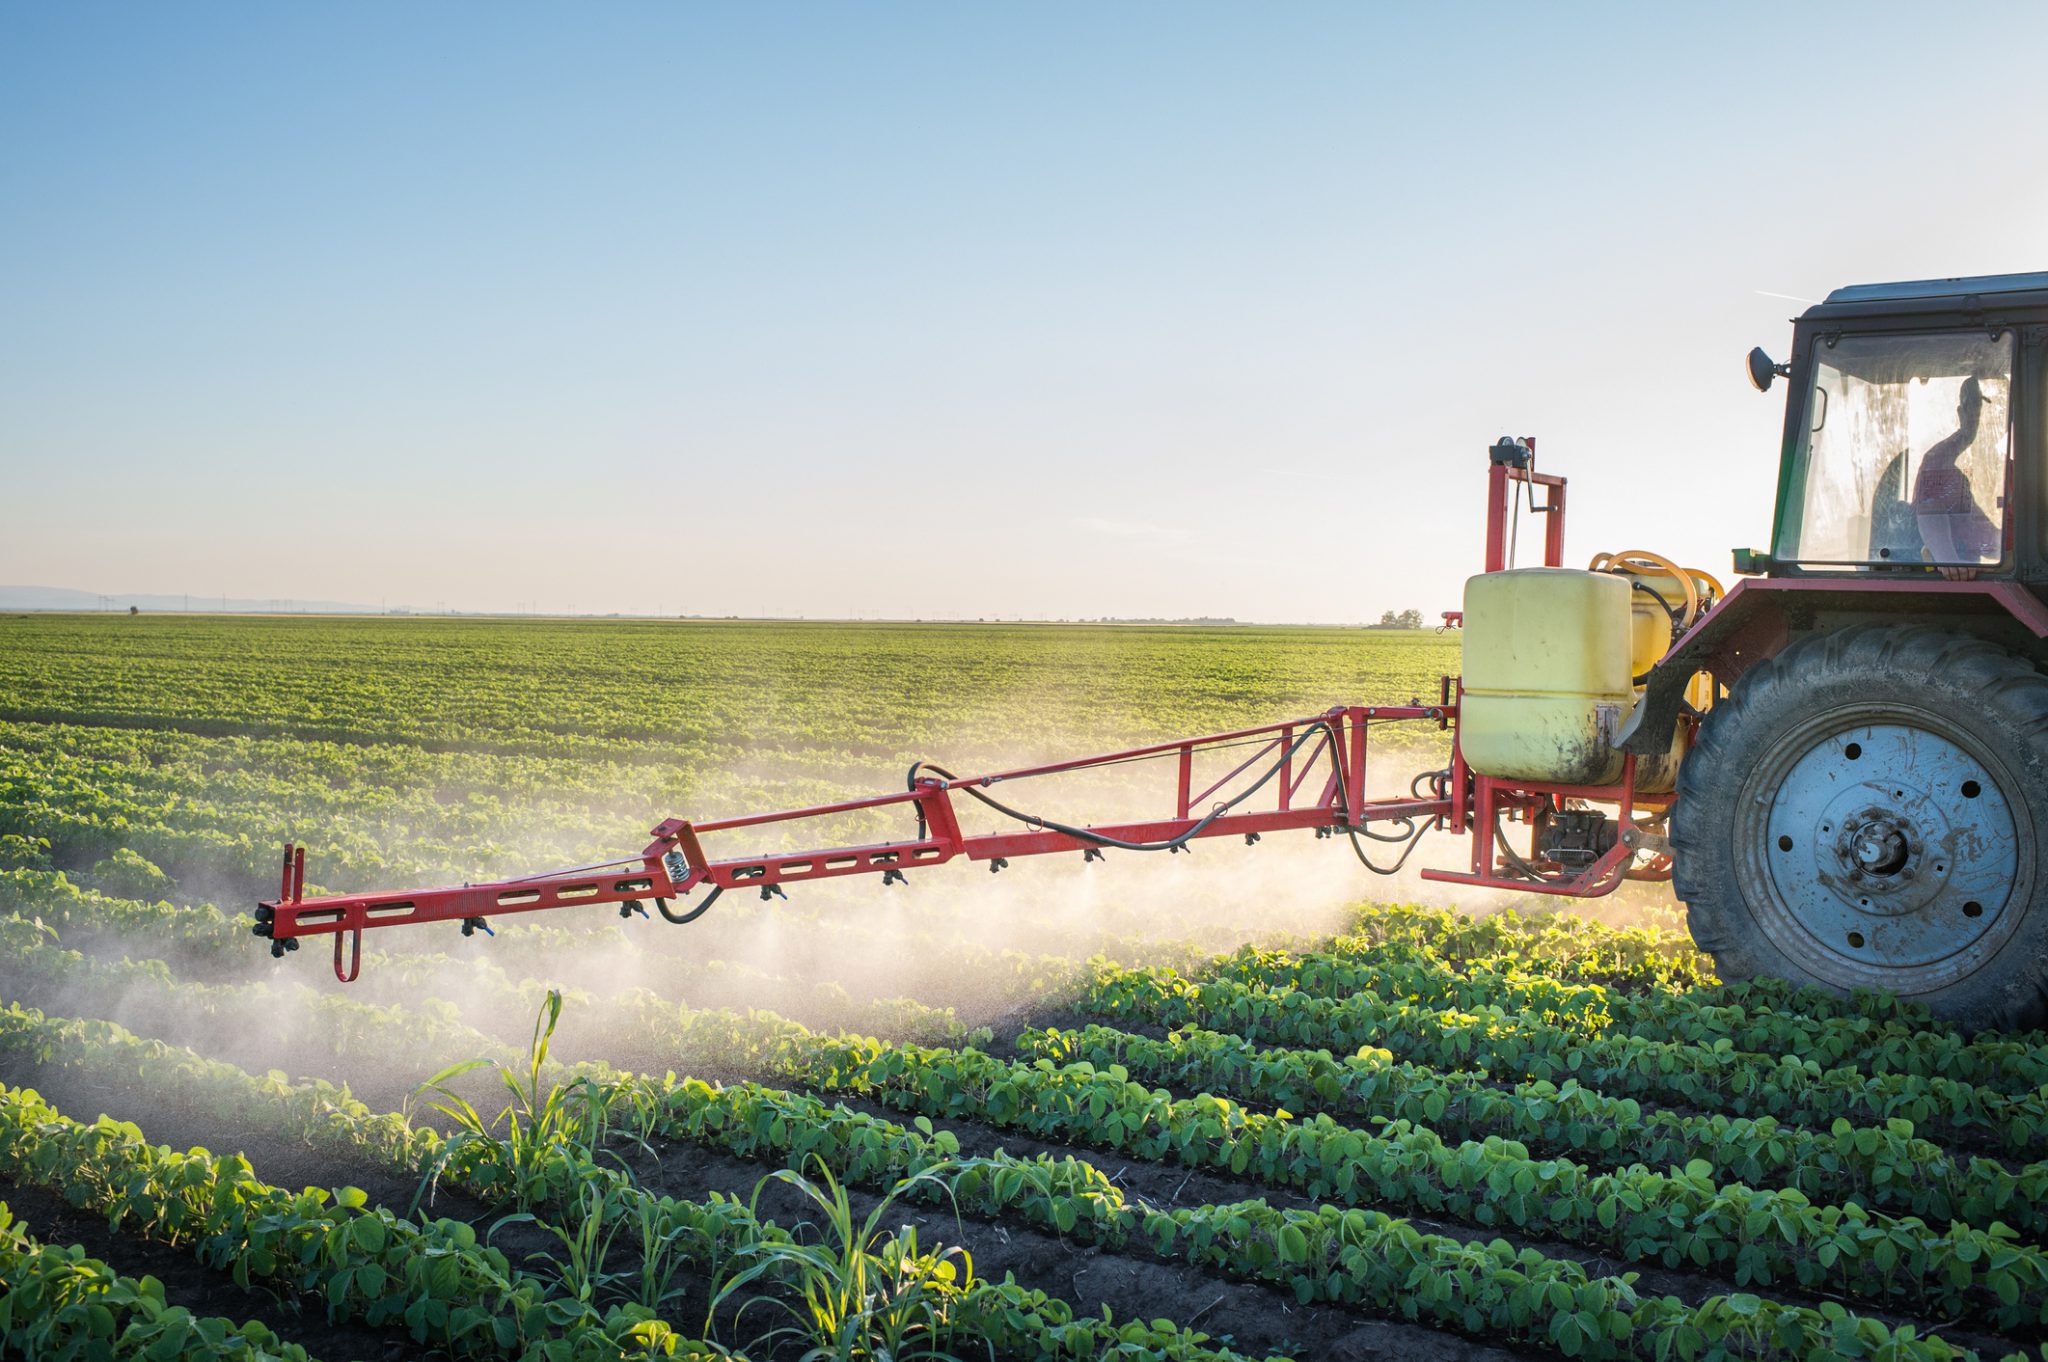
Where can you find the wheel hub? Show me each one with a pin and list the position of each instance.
(1889, 846)
(1877, 847)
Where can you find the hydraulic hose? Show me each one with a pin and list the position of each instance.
(700, 910)
(1411, 835)
(1614, 562)
(1103, 840)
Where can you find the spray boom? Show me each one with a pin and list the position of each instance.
(1304, 773)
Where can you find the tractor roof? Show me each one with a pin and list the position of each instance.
(1942, 288)
(1971, 295)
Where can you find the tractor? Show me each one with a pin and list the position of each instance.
(1840, 762)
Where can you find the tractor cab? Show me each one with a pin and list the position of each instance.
(1911, 449)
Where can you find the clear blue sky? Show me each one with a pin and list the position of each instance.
(941, 310)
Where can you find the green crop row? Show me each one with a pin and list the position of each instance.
(1759, 1236)
(1357, 1258)
(313, 1108)
(1469, 1287)
(153, 928)
(1554, 941)
(1515, 1046)
(432, 1278)
(1566, 945)
(1395, 1270)
(34, 966)
(2005, 1063)
(57, 1304)
(1018, 1320)
(205, 936)
(1004, 1317)
(1883, 1166)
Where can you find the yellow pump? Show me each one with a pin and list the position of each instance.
(1664, 601)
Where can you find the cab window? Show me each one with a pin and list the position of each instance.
(1903, 460)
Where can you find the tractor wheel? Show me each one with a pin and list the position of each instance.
(1870, 809)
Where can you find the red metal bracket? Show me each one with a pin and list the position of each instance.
(1491, 797)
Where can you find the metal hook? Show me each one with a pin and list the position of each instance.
(355, 960)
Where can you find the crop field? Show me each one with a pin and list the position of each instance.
(1244, 1103)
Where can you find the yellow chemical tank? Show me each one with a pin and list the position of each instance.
(1547, 678)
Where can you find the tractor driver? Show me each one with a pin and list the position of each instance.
(1952, 526)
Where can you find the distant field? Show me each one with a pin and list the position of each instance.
(658, 690)
(428, 746)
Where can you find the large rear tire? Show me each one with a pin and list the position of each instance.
(1870, 809)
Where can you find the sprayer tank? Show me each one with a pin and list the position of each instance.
(1547, 674)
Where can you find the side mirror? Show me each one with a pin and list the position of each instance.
(1762, 370)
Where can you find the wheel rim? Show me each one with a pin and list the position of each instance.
(1885, 847)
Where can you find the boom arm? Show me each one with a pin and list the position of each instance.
(1261, 793)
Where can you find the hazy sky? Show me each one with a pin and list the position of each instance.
(942, 310)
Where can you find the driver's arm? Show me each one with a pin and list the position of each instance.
(1937, 534)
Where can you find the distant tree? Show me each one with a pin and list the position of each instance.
(1389, 621)
(1410, 619)
(134, 609)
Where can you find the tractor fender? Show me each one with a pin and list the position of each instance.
(1762, 614)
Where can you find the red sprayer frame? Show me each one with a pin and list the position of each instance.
(1329, 747)
(1478, 802)
(1262, 793)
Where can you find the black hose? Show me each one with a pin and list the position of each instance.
(1500, 839)
(1407, 830)
(1414, 841)
(1099, 839)
(1669, 614)
(1410, 834)
(700, 910)
(1414, 838)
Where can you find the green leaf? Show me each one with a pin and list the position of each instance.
(367, 1234)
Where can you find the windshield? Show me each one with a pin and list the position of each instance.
(1904, 455)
